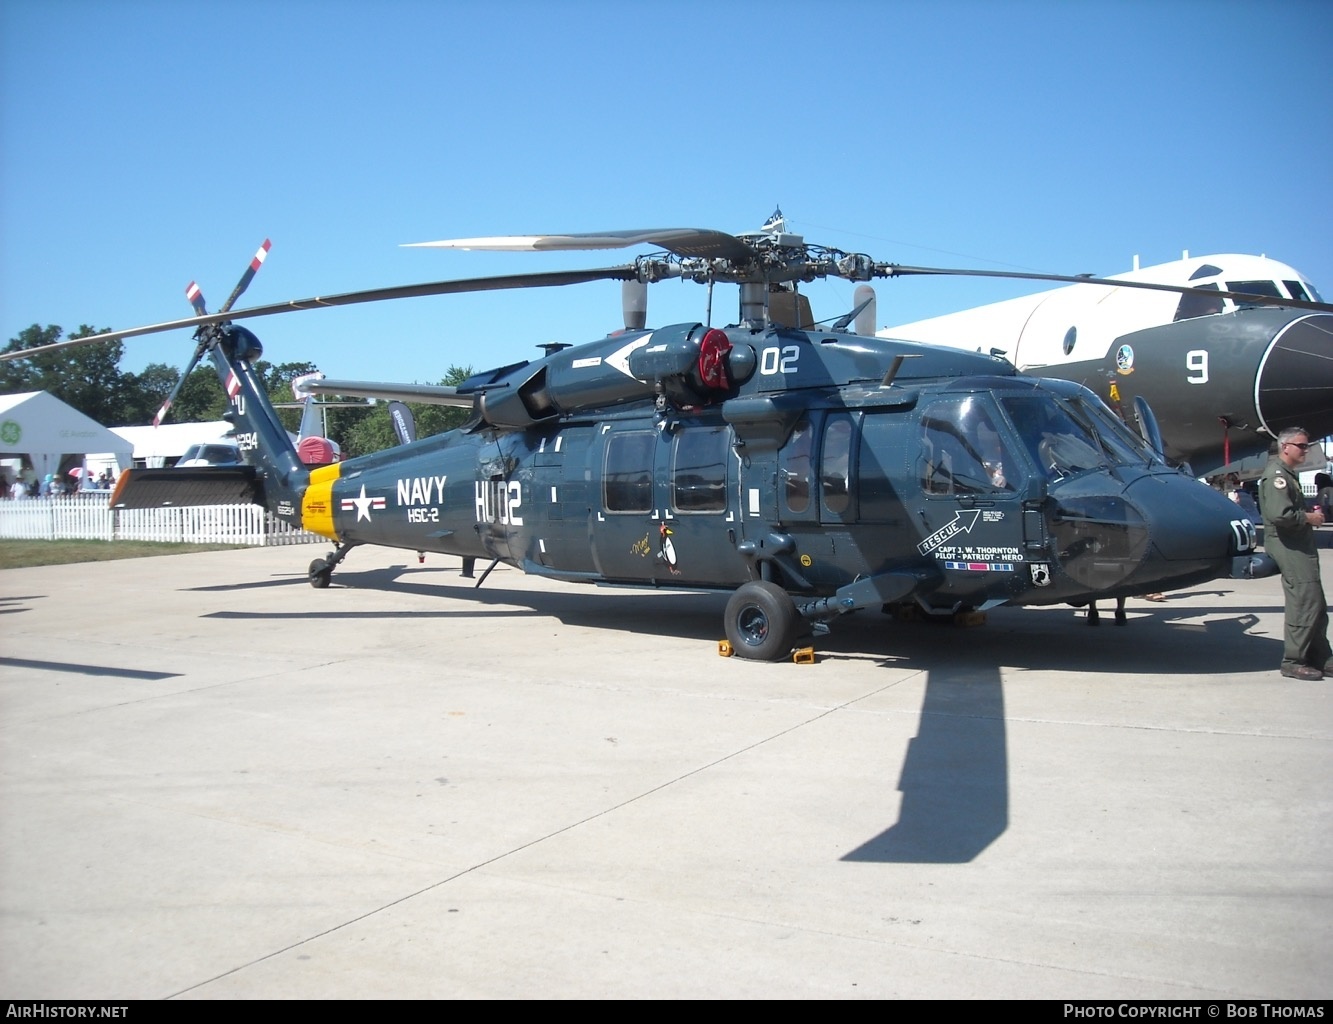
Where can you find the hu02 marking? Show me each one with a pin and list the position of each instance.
(499, 502)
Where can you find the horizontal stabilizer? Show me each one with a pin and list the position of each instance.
(428, 394)
(205, 485)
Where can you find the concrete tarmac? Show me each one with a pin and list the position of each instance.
(217, 782)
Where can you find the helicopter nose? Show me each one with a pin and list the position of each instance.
(1190, 522)
(1295, 387)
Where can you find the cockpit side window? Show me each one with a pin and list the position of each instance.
(962, 452)
(1298, 291)
(1191, 306)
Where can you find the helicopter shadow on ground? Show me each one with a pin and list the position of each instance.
(954, 777)
(688, 614)
(954, 780)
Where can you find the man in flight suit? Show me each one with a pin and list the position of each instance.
(1289, 538)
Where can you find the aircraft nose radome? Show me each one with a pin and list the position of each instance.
(1190, 521)
(1296, 383)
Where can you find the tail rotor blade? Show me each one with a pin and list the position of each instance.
(196, 297)
(247, 277)
(194, 361)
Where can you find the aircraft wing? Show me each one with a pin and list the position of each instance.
(429, 394)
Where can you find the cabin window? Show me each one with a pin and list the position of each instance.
(962, 452)
(795, 468)
(1071, 336)
(699, 470)
(881, 451)
(836, 465)
(627, 477)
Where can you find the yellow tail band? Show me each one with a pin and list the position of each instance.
(317, 502)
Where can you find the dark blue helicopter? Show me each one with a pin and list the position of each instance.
(810, 472)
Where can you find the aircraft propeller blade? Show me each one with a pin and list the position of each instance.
(475, 284)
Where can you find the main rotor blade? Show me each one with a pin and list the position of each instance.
(476, 284)
(1246, 298)
(702, 242)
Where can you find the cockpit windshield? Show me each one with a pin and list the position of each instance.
(1268, 288)
(1114, 435)
(1070, 436)
(1194, 304)
(1058, 445)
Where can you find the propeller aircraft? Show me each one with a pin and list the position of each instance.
(1225, 376)
(810, 472)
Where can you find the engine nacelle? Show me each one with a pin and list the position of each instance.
(692, 365)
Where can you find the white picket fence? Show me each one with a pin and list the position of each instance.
(87, 516)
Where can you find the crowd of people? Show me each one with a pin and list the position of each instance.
(27, 484)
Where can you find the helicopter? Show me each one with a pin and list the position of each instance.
(808, 472)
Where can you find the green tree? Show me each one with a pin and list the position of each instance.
(372, 430)
(86, 377)
(201, 398)
(144, 393)
(278, 383)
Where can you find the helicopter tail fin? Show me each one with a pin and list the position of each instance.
(264, 443)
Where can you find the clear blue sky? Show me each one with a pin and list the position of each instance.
(146, 144)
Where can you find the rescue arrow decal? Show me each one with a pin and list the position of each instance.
(949, 530)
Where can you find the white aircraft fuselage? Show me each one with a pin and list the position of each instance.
(1222, 379)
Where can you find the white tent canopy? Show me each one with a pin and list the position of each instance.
(45, 429)
(154, 446)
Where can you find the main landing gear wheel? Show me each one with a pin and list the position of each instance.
(320, 573)
(761, 621)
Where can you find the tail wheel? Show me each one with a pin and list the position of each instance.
(320, 573)
(761, 621)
